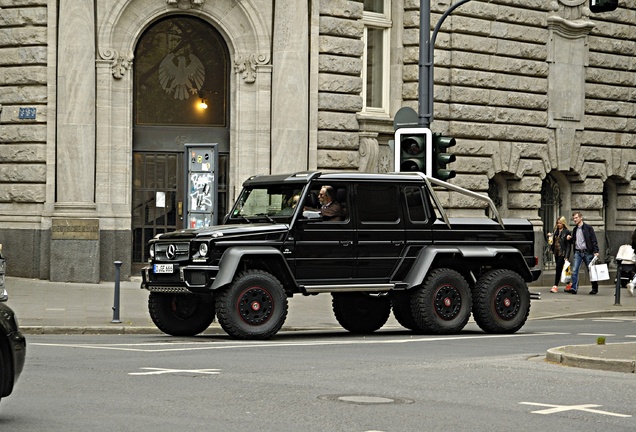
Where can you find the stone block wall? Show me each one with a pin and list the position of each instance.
(23, 79)
(492, 93)
(23, 170)
(339, 84)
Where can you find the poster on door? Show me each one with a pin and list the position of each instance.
(201, 163)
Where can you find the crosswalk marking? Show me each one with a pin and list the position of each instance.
(553, 409)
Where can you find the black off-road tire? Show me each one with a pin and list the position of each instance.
(359, 312)
(401, 305)
(254, 306)
(181, 314)
(501, 302)
(441, 305)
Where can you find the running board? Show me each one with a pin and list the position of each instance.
(311, 289)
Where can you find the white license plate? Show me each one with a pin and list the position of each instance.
(164, 268)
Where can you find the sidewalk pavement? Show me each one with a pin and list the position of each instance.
(45, 307)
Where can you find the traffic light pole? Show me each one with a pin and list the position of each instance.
(426, 66)
(425, 71)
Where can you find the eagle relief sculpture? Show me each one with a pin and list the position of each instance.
(180, 78)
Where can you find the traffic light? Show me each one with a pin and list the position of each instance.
(597, 6)
(441, 158)
(413, 150)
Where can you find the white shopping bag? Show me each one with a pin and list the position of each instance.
(598, 272)
(566, 274)
(626, 254)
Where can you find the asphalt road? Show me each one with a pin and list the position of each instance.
(322, 381)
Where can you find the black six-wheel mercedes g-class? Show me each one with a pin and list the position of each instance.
(392, 248)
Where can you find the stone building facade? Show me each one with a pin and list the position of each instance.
(96, 109)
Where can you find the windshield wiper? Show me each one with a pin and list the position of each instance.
(266, 217)
(244, 218)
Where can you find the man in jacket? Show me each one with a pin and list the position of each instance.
(585, 245)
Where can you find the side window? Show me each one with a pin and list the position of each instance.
(415, 204)
(330, 200)
(377, 202)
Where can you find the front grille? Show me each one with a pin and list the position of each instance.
(172, 252)
(195, 277)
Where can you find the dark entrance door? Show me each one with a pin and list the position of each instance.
(157, 198)
(181, 95)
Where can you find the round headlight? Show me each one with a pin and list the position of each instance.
(203, 249)
(152, 251)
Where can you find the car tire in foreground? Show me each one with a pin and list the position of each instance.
(181, 314)
(442, 304)
(254, 306)
(401, 305)
(501, 302)
(361, 313)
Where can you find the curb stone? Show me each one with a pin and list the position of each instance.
(565, 356)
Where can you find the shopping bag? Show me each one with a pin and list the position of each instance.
(626, 254)
(566, 274)
(598, 272)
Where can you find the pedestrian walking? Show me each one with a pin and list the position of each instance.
(561, 248)
(583, 239)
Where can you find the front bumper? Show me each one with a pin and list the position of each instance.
(184, 279)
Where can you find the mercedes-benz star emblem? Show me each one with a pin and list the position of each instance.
(171, 252)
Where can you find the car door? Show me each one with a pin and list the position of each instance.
(324, 251)
(380, 237)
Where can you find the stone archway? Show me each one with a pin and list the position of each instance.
(249, 42)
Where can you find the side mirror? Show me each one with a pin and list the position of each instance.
(312, 215)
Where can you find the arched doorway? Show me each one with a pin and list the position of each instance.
(180, 61)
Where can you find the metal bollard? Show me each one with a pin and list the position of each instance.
(617, 295)
(116, 319)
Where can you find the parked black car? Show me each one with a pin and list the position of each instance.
(12, 342)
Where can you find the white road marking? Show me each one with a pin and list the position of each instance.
(161, 371)
(596, 334)
(159, 347)
(553, 409)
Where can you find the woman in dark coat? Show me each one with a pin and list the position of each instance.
(560, 247)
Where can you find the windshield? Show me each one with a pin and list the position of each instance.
(273, 203)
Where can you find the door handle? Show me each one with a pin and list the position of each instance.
(397, 243)
(345, 243)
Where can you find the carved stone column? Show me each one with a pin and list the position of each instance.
(75, 228)
(369, 152)
(76, 103)
(290, 86)
(569, 27)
